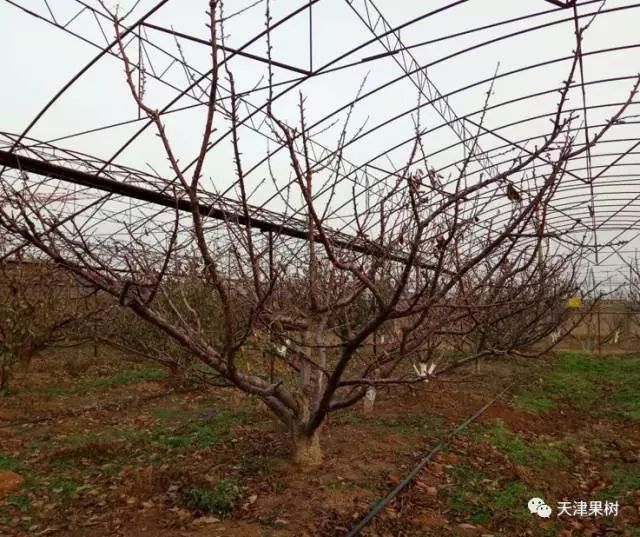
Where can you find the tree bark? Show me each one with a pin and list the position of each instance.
(4, 373)
(306, 448)
(25, 358)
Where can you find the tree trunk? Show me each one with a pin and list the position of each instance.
(306, 448)
(25, 358)
(175, 376)
(4, 373)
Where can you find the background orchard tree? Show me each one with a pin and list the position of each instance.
(41, 307)
(624, 323)
(297, 323)
(515, 309)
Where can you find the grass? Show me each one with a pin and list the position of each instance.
(421, 421)
(117, 446)
(409, 425)
(626, 479)
(123, 378)
(465, 499)
(111, 449)
(201, 433)
(478, 500)
(607, 385)
(7, 462)
(94, 448)
(220, 500)
(20, 501)
(534, 403)
(80, 439)
(63, 486)
(477, 495)
(510, 500)
(13, 464)
(520, 451)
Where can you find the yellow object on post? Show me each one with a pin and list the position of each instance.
(574, 302)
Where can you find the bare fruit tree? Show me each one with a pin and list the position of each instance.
(624, 322)
(516, 309)
(41, 307)
(309, 324)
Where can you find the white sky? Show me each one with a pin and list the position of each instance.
(38, 59)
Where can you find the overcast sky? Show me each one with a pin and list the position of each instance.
(39, 58)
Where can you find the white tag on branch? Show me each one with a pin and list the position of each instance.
(424, 370)
(555, 335)
(281, 350)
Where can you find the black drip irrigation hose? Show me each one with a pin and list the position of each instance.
(383, 502)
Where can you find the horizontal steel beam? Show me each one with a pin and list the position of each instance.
(239, 52)
(561, 3)
(70, 175)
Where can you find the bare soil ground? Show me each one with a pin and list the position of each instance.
(107, 447)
